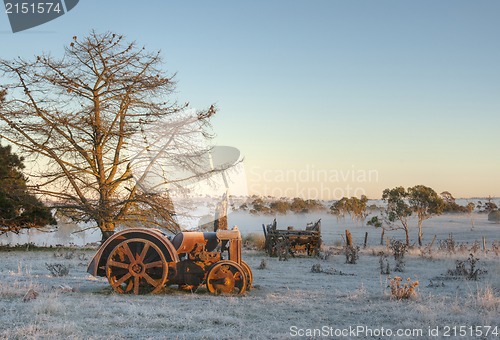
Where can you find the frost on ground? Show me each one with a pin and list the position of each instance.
(287, 296)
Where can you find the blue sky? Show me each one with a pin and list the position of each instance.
(408, 89)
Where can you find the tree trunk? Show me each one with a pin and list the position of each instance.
(407, 232)
(420, 233)
(107, 230)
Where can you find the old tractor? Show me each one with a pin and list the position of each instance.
(284, 242)
(142, 261)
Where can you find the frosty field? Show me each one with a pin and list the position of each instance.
(287, 301)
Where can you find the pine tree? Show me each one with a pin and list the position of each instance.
(19, 209)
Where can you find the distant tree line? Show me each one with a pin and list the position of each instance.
(354, 207)
(281, 206)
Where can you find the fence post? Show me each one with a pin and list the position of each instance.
(348, 236)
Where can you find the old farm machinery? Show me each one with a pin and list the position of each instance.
(284, 242)
(142, 261)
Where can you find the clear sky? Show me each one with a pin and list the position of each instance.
(324, 98)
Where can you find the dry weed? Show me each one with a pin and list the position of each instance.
(401, 291)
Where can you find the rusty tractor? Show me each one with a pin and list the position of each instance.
(284, 242)
(143, 261)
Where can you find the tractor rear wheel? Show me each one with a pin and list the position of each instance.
(136, 266)
(227, 277)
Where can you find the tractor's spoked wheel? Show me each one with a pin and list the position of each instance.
(248, 274)
(226, 277)
(136, 266)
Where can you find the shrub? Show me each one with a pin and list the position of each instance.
(316, 268)
(57, 269)
(398, 250)
(283, 249)
(426, 252)
(475, 247)
(485, 299)
(326, 254)
(351, 254)
(403, 291)
(463, 247)
(254, 241)
(263, 264)
(495, 247)
(16, 288)
(467, 269)
(448, 244)
(494, 216)
(385, 269)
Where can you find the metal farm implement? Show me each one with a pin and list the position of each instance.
(282, 242)
(142, 261)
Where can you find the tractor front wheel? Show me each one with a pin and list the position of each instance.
(248, 274)
(227, 277)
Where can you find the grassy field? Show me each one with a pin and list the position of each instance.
(288, 299)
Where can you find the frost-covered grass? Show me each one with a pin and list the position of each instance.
(286, 294)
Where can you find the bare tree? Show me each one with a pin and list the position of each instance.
(106, 142)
